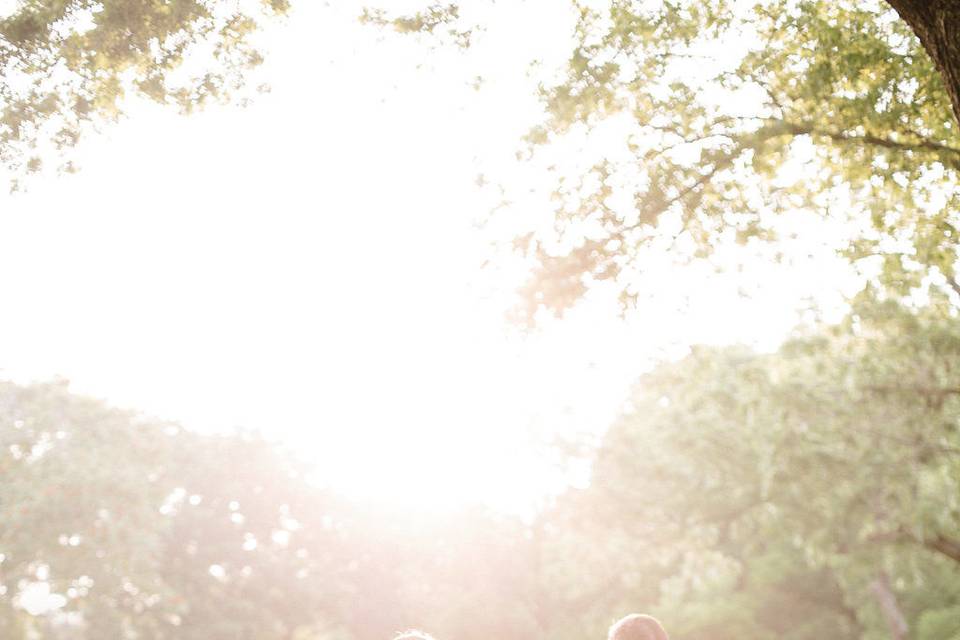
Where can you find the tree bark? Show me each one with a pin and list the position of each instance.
(937, 24)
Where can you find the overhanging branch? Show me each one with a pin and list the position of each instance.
(949, 155)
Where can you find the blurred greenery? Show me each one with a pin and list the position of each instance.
(144, 530)
(740, 495)
(774, 490)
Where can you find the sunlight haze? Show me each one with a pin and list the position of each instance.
(309, 266)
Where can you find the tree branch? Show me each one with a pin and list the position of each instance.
(952, 153)
(948, 547)
(945, 546)
(887, 600)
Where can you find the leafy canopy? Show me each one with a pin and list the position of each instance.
(727, 116)
(67, 64)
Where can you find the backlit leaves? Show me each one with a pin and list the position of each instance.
(70, 64)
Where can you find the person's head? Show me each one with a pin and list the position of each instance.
(413, 634)
(637, 626)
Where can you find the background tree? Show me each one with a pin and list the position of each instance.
(806, 493)
(138, 528)
(802, 494)
(117, 526)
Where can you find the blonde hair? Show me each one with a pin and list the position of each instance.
(637, 626)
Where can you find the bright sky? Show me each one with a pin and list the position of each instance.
(308, 266)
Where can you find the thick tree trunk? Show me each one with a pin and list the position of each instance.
(937, 24)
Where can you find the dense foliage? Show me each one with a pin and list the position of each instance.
(781, 493)
(802, 494)
(118, 527)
